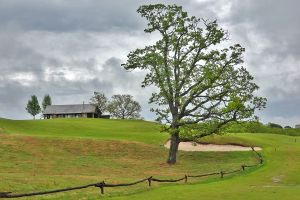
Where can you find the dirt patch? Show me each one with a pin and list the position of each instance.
(191, 146)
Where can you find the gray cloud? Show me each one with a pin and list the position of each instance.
(270, 30)
(68, 16)
(72, 48)
(75, 15)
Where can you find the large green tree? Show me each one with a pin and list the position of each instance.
(123, 106)
(33, 106)
(46, 101)
(202, 84)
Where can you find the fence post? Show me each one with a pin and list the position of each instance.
(149, 181)
(102, 187)
(222, 174)
(185, 178)
(243, 167)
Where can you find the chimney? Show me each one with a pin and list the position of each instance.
(82, 106)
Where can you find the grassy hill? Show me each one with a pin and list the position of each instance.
(278, 178)
(107, 129)
(50, 154)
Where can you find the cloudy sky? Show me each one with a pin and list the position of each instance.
(70, 48)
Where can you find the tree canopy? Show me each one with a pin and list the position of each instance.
(200, 82)
(46, 101)
(33, 106)
(124, 107)
(100, 100)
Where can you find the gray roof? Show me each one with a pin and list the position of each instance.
(68, 109)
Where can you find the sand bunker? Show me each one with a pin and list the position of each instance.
(191, 146)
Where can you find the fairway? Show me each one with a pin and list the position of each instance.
(129, 130)
(50, 154)
(278, 178)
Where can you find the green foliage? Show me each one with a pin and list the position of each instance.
(33, 106)
(188, 133)
(197, 80)
(46, 101)
(100, 100)
(246, 127)
(124, 107)
(257, 127)
(191, 131)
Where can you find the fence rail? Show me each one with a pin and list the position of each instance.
(102, 185)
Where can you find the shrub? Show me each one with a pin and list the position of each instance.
(273, 125)
(257, 127)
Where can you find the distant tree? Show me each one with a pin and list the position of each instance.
(274, 125)
(124, 107)
(46, 101)
(198, 78)
(33, 106)
(99, 100)
(287, 127)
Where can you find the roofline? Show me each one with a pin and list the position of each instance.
(71, 104)
(81, 109)
(66, 113)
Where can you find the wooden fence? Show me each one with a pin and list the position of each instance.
(149, 180)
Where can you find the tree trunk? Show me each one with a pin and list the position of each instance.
(173, 147)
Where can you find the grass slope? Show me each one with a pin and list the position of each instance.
(278, 178)
(130, 130)
(78, 151)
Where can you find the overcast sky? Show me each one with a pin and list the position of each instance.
(70, 48)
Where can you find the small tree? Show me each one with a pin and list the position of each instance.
(124, 107)
(99, 100)
(46, 101)
(201, 85)
(33, 106)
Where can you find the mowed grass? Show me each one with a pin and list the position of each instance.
(277, 179)
(35, 163)
(111, 129)
(68, 156)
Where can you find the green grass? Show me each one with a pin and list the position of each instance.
(77, 151)
(129, 130)
(278, 178)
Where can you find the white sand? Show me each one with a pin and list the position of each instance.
(191, 146)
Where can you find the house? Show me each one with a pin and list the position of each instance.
(73, 111)
(297, 126)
